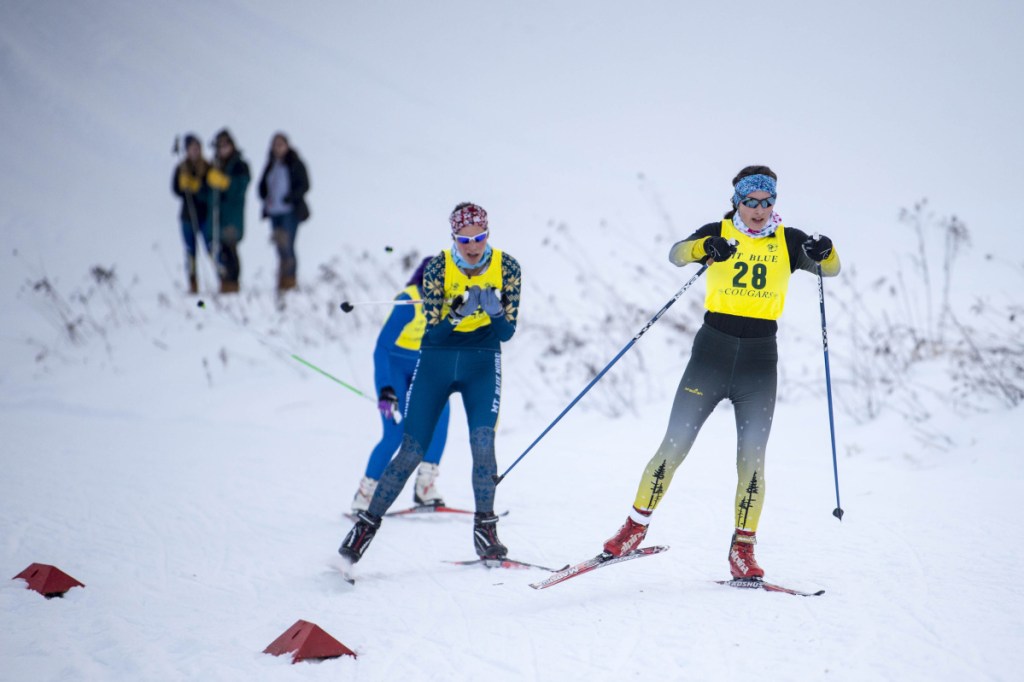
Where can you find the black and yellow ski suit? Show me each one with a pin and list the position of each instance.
(734, 356)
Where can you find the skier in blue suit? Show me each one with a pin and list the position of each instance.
(394, 363)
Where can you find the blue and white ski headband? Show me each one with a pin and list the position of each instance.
(753, 183)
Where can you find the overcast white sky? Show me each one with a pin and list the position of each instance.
(540, 111)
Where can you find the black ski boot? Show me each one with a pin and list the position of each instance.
(360, 537)
(485, 536)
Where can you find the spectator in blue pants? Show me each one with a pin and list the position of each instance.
(189, 183)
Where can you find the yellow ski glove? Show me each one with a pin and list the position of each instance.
(188, 183)
(217, 180)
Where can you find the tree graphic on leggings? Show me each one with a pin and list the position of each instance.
(748, 501)
(657, 487)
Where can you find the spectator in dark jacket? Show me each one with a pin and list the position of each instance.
(228, 180)
(189, 183)
(283, 187)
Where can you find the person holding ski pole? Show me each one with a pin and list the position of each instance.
(189, 183)
(228, 180)
(471, 302)
(394, 363)
(283, 186)
(734, 353)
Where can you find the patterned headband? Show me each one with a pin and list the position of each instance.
(470, 214)
(753, 183)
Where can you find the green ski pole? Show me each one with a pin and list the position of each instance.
(334, 378)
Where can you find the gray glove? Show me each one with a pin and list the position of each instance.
(490, 301)
(465, 304)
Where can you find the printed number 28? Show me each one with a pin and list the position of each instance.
(758, 275)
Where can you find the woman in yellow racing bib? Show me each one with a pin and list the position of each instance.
(734, 353)
(471, 301)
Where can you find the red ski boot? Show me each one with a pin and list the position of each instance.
(741, 556)
(628, 538)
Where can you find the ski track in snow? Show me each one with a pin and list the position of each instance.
(200, 540)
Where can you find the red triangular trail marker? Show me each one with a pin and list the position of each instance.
(307, 640)
(47, 580)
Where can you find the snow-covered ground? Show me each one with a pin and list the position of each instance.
(203, 521)
(182, 465)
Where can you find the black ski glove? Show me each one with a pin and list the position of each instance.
(719, 248)
(817, 248)
(387, 403)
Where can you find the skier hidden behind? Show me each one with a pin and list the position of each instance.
(734, 353)
(471, 301)
(394, 363)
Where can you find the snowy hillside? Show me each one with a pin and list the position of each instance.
(177, 460)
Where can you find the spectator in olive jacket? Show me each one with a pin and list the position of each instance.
(228, 179)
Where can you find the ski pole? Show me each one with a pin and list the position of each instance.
(650, 323)
(334, 378)
(838, 511)
(348, 306)
(215, 196)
